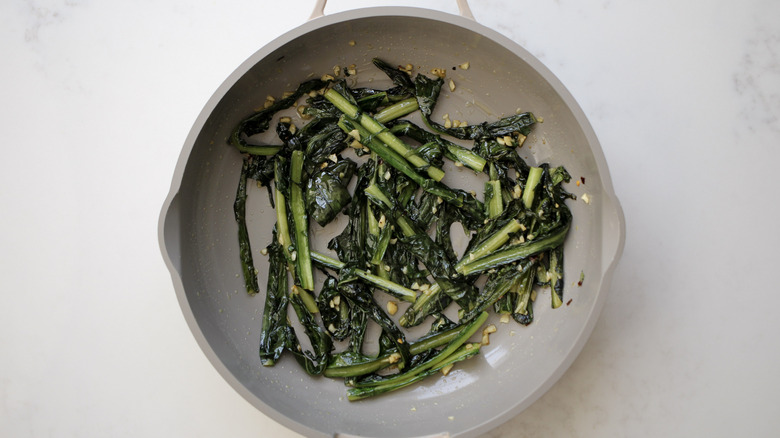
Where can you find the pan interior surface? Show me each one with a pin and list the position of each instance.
(521, 362)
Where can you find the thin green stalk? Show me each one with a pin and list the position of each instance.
(411, 316)
(404, 223)
(383, 361)
(307, 298)
(402, 292)
(381, 246)
(397, 110)
(301, 222)
(465, 156)
(282, 227)
(453, 151)
(516, 252)
(325, 261)
(493, 198)
(285, 241)
(258, 150)
(489, 245)
(382, 133)
(462, 353)
(466, 332)
(534, 176)
(459, 199)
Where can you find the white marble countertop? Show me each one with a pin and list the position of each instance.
(98, 97)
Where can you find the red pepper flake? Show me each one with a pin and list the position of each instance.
(582, 178)
(568, 302)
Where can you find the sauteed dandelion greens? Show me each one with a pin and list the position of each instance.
(397, 236)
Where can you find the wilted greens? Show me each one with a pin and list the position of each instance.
(351, 155)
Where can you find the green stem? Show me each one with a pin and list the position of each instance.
(458, 199)
(453, 151)
(489, 245)
(381, 247)
(493, 198)
(382, 133)
(325, 261)
(397, 110)
(301, 222)
(534, 176)
(404, 223)
(307, 299)
(258, 150)
(402, 292)
(515, 252)
(462, 353)
(383, 361)
(413, 314)
(466, 332)
(465, 156)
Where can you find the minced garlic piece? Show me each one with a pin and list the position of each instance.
(392, 307)
(486, 334)
(446, 370)
(452, 85)
(465, 65)
(394, 358)
(440, 72)
(302, 111)
(517, 191)
(586, 198)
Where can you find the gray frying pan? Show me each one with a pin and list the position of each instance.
(197, 230)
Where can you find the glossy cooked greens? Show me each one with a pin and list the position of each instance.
(397, 236)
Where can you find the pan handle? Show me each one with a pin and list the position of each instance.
(169, 233)
(463, 8)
